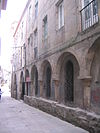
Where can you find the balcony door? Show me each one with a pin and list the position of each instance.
(89, 13)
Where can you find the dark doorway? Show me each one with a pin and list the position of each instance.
(36, 82)
(27, 82)
(23, 90)
(48, 82)
(22, 86)
(69, 82)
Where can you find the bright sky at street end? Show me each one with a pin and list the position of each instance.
(13, 13)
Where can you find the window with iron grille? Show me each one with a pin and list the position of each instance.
(35, 52)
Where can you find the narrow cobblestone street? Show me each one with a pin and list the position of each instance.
(18, 117)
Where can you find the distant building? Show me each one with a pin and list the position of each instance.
(3, 4)
(56, 65)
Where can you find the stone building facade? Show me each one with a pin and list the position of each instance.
(56, 64)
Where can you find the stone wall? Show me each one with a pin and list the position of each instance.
(76, 116)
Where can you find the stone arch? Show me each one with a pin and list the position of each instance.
(68, 52)
(34, 80)
(93, 67)
(46, 76)
(22, 86)
(15, 86)
(70, 87)
(91, 54)
(27, 79)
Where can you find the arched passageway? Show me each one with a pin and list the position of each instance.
(70, 87)
(69, 82)
(34, 79)
(22, 86)
(28, 90)
(93, 66)
(48, 82)
(47, 73)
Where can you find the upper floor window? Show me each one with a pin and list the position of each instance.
(89, 13)
(35, 38)
(22, 31)
(61, 14)
(35, 43)
(36, 8)
(29, 41)
(35, 53)
(30, 12)
(45, 23)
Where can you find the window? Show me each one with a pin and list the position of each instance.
(89, 13)
(29, 41)
(35, 38)
(36, 1)
(29, 13)
(61, 14)
(36, 8)
(22, 31)
(87, 10)
(45, 27)
(35, 52)
(95, 9)
(35, 43)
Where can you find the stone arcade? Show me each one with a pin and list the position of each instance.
(56, 60)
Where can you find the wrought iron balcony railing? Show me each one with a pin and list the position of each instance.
(89, 15)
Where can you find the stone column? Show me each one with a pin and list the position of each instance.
(20, 89)
(86, 92)
(56, 86)
(25, 88)
(32, 88)
(41, 88)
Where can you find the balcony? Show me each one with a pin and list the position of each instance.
(89, 15)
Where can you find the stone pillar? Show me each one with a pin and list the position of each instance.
(25, 88)
(56, 86)
(32, 88)
(86, 92)
(41, 88)
(20, 89)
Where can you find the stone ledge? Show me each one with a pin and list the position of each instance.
(86, 120)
